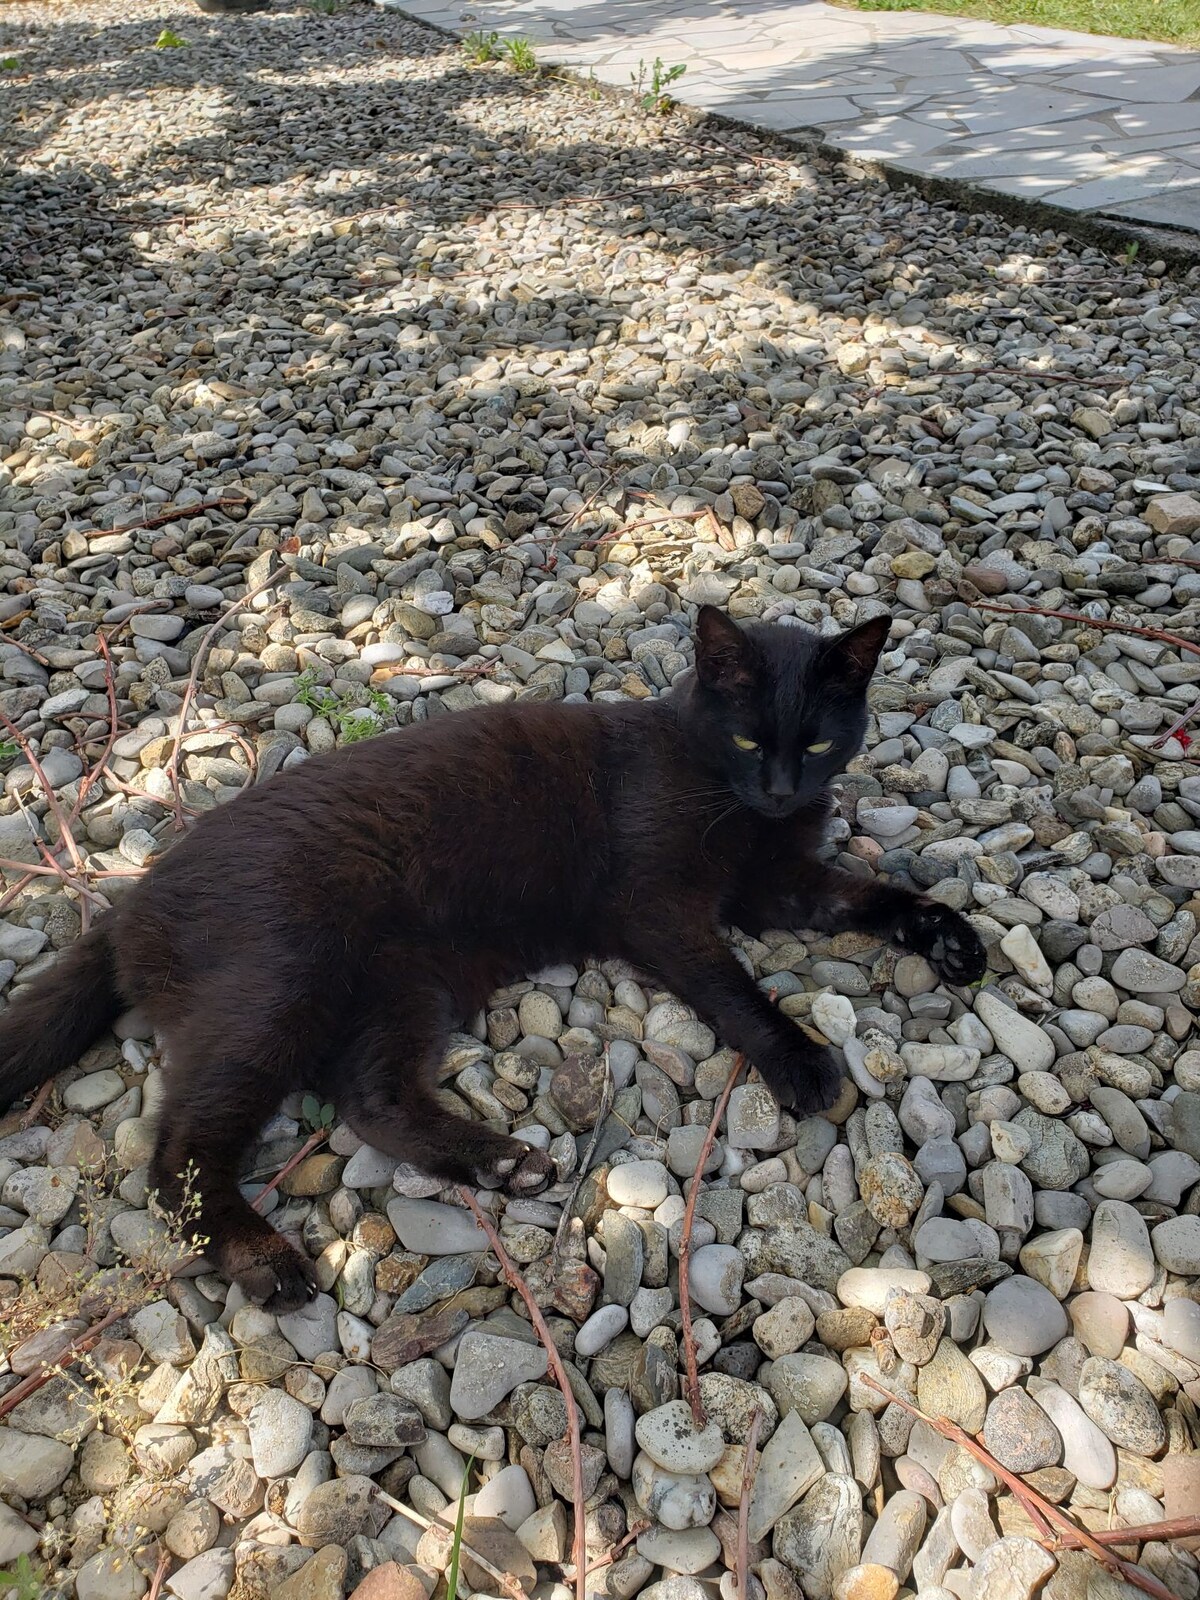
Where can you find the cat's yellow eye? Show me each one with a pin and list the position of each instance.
(820, 749)
(743, 743)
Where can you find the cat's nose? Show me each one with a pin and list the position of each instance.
(780, 786)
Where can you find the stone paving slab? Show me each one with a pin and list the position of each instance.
(1093, 125)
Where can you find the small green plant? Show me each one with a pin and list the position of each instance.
(1129, 254)
(325, 8)
(479, 47)
(520, 55)
(25, 1581)
(169, 41)
(8, 749)
(343, 711)
(318, 1118)
(9, 64)
(655, 98)
(456, 1547)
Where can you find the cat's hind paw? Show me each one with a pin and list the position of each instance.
(810, 1083)
(521, 1171)
(272, 1274)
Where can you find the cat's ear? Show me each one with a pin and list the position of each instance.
(852, 656)
(722, 652)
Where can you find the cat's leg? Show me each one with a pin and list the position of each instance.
(385, 1089)
(689, 958)
(209, 1117)
(833, 901)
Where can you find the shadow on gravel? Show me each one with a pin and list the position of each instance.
(419, 178)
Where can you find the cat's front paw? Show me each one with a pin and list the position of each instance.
(945, 938)
(806, 1080)
(269, 1271)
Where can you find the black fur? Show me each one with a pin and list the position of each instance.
(327, 930)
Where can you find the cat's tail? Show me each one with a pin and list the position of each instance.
(53, 1022)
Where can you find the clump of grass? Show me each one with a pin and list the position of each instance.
(1175, 21)
(325, 8)
(479, 47)
(169, 41)
(520, 55)
(655, 97)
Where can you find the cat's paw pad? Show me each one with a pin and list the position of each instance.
(523, 1172)
(948, 940)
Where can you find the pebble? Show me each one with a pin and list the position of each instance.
(1087, 1452)
(1121, 1406)
(1023, 1316)
(280, 1434)
(487, 1368)
(669, 1437)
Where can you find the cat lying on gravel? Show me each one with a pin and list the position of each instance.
(327, 930)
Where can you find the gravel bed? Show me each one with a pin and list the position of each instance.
(406, 356)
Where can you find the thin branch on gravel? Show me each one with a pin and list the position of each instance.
(160, 1573)
(612, 1555)
(505, 1579)
(28, 650)
(172, 514)
(52, 800)
(743, 1526)
(1040, 1510)
(1177, 726)
(110, 686)
(189, 692)
(34, 1109)
(306, 1149)
(560, 1377)
(1149, 1532)
(606, 1100)
(647, 522)
(78, 1346)
(692, 1381)
(1103, 623)
(1050, 377)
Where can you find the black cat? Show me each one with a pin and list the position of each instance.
(327, 930)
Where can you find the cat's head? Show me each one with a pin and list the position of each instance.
(780, 710)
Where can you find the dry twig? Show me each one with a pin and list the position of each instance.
(306, 1149)
(189, 692)
(1058, 1526)
(160, 1573)
(692, 1381)
(560, 1377)
(1103, 623)
(172, 514)
(612, 1555)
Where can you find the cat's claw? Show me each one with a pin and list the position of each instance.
(279, 1285)
(948, 940)
(526, 1172)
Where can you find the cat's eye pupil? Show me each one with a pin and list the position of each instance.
(743, 743)
(820, 749)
